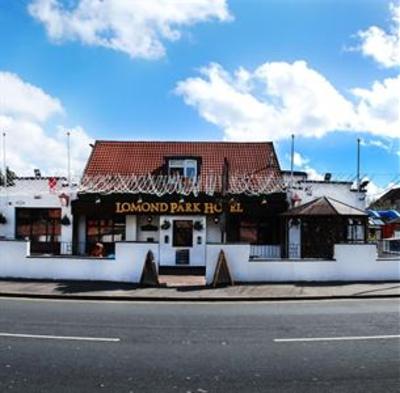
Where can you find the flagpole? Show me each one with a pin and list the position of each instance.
(5, 163)
(358, 164)
(69, 159)
(292, 162)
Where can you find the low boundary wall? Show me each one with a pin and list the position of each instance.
(127, 266)
(352, 262)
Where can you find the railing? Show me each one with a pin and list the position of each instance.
(265, 251)
(388, 248)
(292, 251)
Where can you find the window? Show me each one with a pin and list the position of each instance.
(106, 231)
(42, 227)
(183, 167)
(248, 232)
(355, 230)
(253, 231)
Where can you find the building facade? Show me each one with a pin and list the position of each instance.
(184, 203)
(181, 195)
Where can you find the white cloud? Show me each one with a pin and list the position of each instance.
(278, 99)
(387, 146)
(272, 102)
(135, 27)
(22, 99)
(382, 46)
(378, 108)
(299, 160)
(24, 110)
(303, 163)
(374, 192)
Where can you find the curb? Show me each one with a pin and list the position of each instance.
(189, 299)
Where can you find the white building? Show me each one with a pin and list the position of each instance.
(185, 202)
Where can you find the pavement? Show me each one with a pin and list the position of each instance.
(334, 346)
(194, 289)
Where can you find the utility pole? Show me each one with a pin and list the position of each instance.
(69, 159)
(292, 162)
(5, 162)
(358, 163)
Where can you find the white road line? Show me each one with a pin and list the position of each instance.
(348, 338)
(49, 337)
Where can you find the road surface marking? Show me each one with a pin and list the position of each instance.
(49, 337)
(348, 338)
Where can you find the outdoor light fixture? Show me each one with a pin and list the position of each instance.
(232, 200)
(64, 199)
(264, 201)
(181, 199)
(140, 200)
(216, 219)
(97, 201)
(149, 219)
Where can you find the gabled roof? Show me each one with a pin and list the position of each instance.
(142, 158)
(325, 206)
(142, 167)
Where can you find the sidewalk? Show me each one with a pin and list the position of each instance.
(248, 292)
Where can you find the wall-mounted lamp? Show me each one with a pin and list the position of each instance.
(140, 200)
(64, 199)
(264, 201)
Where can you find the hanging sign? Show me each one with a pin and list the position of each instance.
(175, 207)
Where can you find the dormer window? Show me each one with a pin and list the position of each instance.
(183, 168)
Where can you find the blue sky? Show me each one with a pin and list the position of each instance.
(117, 92)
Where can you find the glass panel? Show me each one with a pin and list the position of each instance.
(176, 172)
(105, 230)
(191, 172)
(183, 233)
(248, 234)
(38, 224)
(176, 163)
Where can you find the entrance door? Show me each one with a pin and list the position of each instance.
(183, 240)
(182, 236)
(182, 233)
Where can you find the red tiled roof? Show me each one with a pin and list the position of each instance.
(141, 158)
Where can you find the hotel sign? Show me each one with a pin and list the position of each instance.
(175, 207)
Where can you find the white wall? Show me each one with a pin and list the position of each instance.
(352, 263)
(197, 252)
(142, 236)
(213, 231)
(126, 267)
(131, 228)
(339, 191)
(8, 205)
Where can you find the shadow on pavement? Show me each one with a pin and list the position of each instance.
(90, 286)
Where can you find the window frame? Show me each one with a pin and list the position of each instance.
(51, 224)
(185, 164)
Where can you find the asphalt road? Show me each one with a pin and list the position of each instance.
(164, 347)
